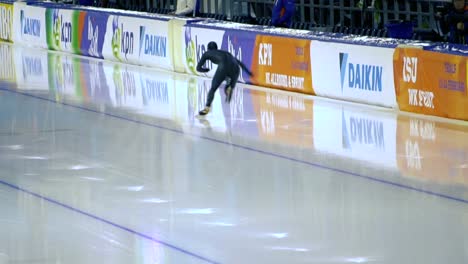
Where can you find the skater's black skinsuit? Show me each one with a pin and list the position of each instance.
(228, 69)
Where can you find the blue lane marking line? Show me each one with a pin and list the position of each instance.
(100, 219)
(399, 185)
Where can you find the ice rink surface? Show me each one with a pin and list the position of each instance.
(107, 163)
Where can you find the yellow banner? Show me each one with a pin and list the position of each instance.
(6, 20)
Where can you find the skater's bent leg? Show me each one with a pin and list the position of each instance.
(232, 84)
(215, 83)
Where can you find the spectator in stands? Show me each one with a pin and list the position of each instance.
(283, 12)
(457, 20)
(185, 7)
(86, 2)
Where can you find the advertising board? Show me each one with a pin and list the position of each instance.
(353, 72)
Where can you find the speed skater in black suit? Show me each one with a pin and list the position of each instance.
(228, 69)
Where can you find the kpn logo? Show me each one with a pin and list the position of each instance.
(360, 76)
(194, 51)
(190, 51)
(61, 30)
(122, 40)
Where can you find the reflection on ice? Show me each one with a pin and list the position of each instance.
(33, 157)
(278, 235)
(220, 224)
(290, 249)
(92, 178)
(131, 188)
(79, 167)
(154, 200)
(202, 211)
(12, 147)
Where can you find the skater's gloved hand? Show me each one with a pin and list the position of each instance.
(203, 69)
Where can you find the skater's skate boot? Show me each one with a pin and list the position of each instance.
(228, 92)
(204, 111)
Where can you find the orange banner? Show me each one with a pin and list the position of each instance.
(431, 83)
(283, 63)
(431, 151)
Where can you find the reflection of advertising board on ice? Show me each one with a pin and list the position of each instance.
(32, 25)
(354, 134)
(431, 151)
(284, 118)
(128, 92)
(7, 69)
(94, 81)
(158, 94)
(283, 63)
(31, 69)
(431, 82)
(353, 72)
(64, 76)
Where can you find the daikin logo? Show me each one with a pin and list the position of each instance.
(152, 45)
(30, 26)
(360, 76)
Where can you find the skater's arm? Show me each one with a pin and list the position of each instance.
(202, 62)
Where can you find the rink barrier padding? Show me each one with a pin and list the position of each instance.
(431, 83)
(367, 70)
(354, 73)
(30, 25)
